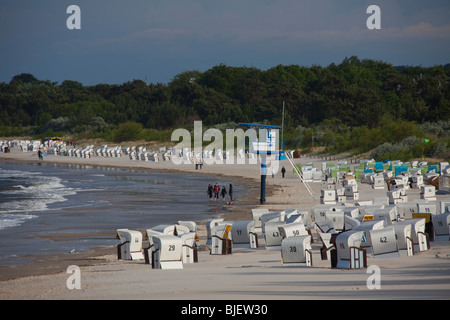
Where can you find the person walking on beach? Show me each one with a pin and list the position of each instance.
(40, 155)
(210, 192)
(283, 171)
(216, 191)
(223, 193)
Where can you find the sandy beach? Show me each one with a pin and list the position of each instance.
(247, 274)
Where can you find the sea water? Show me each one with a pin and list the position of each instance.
(41, 200)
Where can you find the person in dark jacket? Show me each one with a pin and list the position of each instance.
(210, 191)
(223, 193)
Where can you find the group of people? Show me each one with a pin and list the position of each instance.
(215, 191)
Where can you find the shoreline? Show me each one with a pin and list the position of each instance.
(48, 264)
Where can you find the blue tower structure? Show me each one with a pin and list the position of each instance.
(267, 144)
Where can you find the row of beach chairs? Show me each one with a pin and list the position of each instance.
(349, 191)
(387, 226)
(168, 246)
(347, 235)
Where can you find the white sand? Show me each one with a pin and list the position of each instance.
(246, 274)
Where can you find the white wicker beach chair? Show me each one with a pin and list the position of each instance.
(243, 234)
(167, 252)
(272, 235)
(404, 239)
(293, 229)
(366, 226)
(441, 225)
(130, 247)
(296, 250)
(384, 243)
(349, 252)
(221, 243)
(189, 249)
(420, 238)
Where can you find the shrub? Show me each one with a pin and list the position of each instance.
(406, 149)
(439, 150)
(58, 124)
(127, 132)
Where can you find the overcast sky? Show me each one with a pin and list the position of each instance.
(120, 40)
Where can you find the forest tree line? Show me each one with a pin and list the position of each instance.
(353, 95)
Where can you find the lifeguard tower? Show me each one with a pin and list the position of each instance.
(267, 144)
